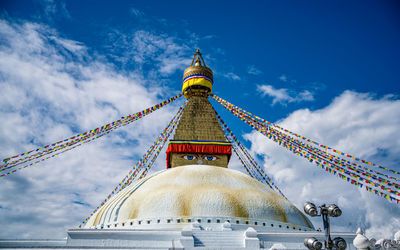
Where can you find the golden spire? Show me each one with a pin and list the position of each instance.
(199, 138)
(197, 76)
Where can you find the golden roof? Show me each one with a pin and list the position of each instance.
(199, 122)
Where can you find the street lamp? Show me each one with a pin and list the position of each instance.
(310, 209)
(324, 211)
(339, 243)
(334, 210)
(312, 243)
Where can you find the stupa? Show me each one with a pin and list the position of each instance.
(197, 185)
(196, 202)
(198, 197)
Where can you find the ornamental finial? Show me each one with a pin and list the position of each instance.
(197, 55)
(197, 76)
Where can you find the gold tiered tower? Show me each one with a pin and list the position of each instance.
(199, 138)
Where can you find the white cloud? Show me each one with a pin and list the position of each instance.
(304, 95)
(354, 123)
(163, 53)
(72, 46)
(52, 10)
(51, 89)
(283, 78)
(252, 70)
(136, 12)
(232, 76)
(279, 95)
(283, 95)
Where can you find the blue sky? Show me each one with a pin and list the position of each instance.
(327, 70)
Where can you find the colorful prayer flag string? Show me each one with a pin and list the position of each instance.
(352, 173)
(317, 152)
(251, 166)
(229, 105)
(143, 165)
(26, 158)
(332, 168)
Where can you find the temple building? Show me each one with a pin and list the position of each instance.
(197, 201)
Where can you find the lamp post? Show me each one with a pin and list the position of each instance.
(325, 212)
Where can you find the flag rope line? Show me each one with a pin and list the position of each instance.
(76, 140)
(321, 154)
(329, 163)
(53, 155)
(327, 166)
(324, 162)
(131, 176)
(118, 123)
(228, 105)
(232, 138)
(312, 156)
(247, 164)
(232, 108)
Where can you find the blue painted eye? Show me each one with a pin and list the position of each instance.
(210, 158)
(189, 157)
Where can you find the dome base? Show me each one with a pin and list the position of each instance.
(205, 223)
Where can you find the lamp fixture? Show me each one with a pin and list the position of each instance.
(325, 212)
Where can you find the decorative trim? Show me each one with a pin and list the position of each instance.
(223, 143)
(198, 147)
(197, 80)
(197, 76)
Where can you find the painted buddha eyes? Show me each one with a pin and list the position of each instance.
(189, 157)
(193, 157)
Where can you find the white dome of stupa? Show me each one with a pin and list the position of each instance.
(198, 191)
